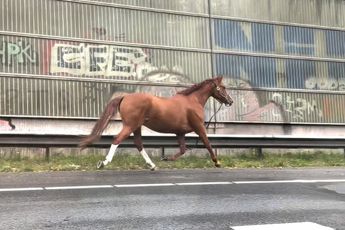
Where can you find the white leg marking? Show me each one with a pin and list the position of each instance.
(147, 159)
(110, 154)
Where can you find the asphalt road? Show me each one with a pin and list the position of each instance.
(172, 199)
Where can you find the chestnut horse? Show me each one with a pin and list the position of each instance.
(180, 114)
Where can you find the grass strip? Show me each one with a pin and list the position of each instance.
(136, 162)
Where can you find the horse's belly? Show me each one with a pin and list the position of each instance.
(169, 126)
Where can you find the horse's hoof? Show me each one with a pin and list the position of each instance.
(164, 159)
(100, 165)
(153, 168)
(218, 165)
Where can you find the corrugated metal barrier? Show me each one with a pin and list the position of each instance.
(66, 58)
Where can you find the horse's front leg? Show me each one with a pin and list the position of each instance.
(204, 138)
(201, 131)
(197, 123)
(182, 143)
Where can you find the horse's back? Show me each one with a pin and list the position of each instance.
(142, 103)
(148, 103)
(136, 102)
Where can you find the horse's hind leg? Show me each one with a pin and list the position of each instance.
(139, 144)
(182, 144)
(124, 133)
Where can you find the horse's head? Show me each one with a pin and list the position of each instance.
(219, 92)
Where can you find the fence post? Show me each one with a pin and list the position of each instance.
(163, 153)
(259, 154)
(47, 154)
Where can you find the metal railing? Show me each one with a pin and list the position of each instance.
(170, 141)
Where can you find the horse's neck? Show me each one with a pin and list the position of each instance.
(202, 95)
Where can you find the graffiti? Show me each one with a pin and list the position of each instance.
(248, 106)
(125, 63)
(21, 53)
(325, 83)
(95, 60)
(262, 106)
(6, 124)
(264, 38)
(258, 106)
(163, 76)
(297, 107)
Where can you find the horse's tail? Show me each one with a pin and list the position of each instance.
(109, 111)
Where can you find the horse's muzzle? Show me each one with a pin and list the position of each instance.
(228, 104)
(229, 101)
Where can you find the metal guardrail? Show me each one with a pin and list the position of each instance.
(166, 141)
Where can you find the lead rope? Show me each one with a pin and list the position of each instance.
(209, 122)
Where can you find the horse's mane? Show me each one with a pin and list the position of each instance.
(194, 87)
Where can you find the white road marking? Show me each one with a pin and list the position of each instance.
(142, 185)
(287, 226)
(289, 181)
(204, 183)
(20, 189)
(171, 184)
(78, 187)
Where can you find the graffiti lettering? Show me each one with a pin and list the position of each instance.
(96, 60)
(325, 83)
(125, 63)
(297, 107)
(20, 53)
